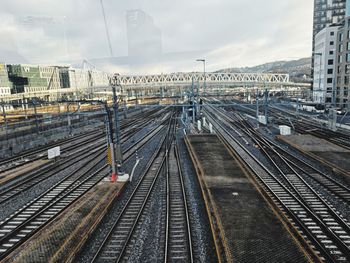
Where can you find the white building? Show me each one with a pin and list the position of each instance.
(99, 78)
(324, 64)
(82, 79)
(5, 85)
(51, 74)
(79, 79)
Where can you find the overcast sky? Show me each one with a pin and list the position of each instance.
(231, 33)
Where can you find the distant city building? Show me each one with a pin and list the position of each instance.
(326, 12)
(5, 84)
(324, 64)
(26, 78)
(144, 38)
(32, 80)
(341, 95)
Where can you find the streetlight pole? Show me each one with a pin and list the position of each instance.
(204, 75)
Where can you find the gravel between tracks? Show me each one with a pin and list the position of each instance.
(33, 192)
(338, 204)
(149, 245)
(203, 244)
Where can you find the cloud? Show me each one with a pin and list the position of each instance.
(237, 32)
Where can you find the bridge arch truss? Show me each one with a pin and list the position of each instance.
(184, 79)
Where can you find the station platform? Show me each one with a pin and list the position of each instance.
(61, 239)
(324, 151)
(249, 229)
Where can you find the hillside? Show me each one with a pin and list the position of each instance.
(299, 70)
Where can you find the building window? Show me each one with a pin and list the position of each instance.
(330, 71)
(341, 37)
(329, 80)
(331, 43)
(332, 33)
(341, 48)
(340, 59)
(347, 69)
(346, 80)
(331, 52)
(330, 61)
(348, 57)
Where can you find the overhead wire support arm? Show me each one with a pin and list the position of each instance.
(107, 31)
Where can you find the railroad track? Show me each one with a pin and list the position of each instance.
(128, 130)
(316, 221)
(12, 190)
(36, 154)
(18, 227)
(334, 187)
(116, 246)
(178, 242)
(303, 125)
(67, 145)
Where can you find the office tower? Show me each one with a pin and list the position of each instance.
(341, 95)
(326, 12)
(144, 38)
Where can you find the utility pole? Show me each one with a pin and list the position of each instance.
(193, 103)
(198, 110)
(204, 74)
(266, 106)
(116, 114)
(117, 149)
(297, 109)
(5, 119)
(36, 116)
(111, 153)
(257, 107)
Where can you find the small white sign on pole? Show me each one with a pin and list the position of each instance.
(53, 152)
(210, 128)
(199, 125)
